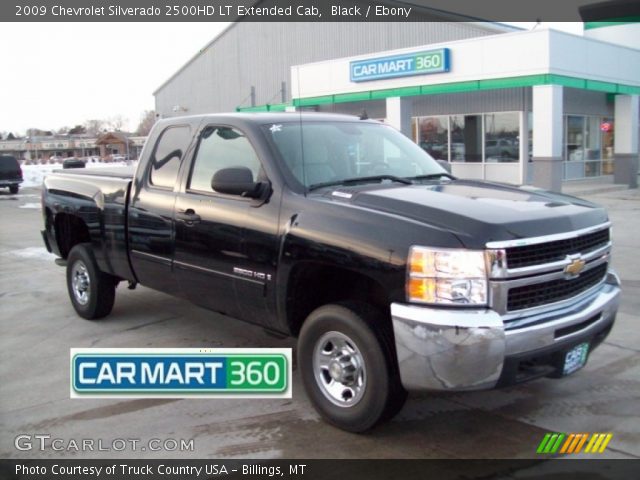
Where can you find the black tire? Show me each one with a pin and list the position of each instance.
(100, 289)
(381, 395)
(14, 189)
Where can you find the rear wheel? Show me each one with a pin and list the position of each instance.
(91, 291)
(348, 365)
(14, 189)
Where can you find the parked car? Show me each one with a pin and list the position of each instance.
(73, 163)
(407, 279)
(10, 173)
(501, 149)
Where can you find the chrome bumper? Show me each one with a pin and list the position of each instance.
(447, 349)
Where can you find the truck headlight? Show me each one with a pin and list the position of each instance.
(447, 276)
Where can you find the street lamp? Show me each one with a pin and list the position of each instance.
(33, 145)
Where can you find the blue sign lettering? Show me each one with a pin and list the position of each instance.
(421, 63)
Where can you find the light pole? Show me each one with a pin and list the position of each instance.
(32, 145)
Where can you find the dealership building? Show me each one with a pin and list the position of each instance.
(527, 107)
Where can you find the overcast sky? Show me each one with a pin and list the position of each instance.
(63, 74)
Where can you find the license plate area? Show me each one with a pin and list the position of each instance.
(575, 358)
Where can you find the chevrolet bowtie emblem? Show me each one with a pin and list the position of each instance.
(575, 266)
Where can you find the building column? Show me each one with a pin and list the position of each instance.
(547, 137)
(625, 147)
(399, 112)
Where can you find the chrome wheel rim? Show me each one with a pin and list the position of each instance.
(80, 282)
(339, 369)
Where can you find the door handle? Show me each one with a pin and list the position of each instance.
(188, 216)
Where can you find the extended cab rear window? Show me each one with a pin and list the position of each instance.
(166, 157)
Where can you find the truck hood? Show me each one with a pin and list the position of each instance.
(477, 212)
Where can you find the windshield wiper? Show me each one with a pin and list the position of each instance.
(430, 176)
(356, 180)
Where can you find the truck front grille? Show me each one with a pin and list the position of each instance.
(537, 294)
(529, 255)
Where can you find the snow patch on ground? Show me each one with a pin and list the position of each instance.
(18, 195)
(29, 252)
(34, 174)
(31, 205)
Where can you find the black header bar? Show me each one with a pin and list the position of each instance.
(301, 10)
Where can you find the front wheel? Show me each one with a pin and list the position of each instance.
(348, 365)
(91, 291)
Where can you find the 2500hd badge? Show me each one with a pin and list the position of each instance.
(393, 274)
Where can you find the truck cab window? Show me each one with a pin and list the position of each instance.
(221, 147)
(165, 161)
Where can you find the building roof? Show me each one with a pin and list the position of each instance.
(442, 15)
(112, 137)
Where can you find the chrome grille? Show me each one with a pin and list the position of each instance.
(537, 294)
(536, 254)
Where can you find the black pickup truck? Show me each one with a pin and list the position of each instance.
(393, 274)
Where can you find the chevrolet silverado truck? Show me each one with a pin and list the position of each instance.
(392, 274)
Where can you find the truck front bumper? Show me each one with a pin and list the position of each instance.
(462, 349)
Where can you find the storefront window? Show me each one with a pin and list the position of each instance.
(466, 138)
(502, 137)
(588, 146)
(574, 168)
(529, 152)
(592, 151)
(606, 127)
(414, 130)
(434, 136)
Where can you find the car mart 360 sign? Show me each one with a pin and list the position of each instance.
(256, 372)
(432, 61)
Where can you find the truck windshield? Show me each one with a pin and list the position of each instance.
(326, 153)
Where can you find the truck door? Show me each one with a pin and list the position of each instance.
(209, 258)
(151, 209)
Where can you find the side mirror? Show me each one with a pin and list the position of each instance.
(236, 181)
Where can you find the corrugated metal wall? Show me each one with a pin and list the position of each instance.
(374, 108)
(503, 100)
(260, 54)
(586, 102)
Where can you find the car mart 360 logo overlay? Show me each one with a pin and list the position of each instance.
(181, 373)
(574, 443)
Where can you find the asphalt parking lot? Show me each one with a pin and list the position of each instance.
(38, 326)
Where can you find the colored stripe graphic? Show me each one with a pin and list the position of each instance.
(572, 443)
(550, 443)
(598, 442)
(543, 443)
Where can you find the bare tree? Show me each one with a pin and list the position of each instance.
(78, 129)
(94, 127)
(147, 120)
(116, 122)
(36, 132)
